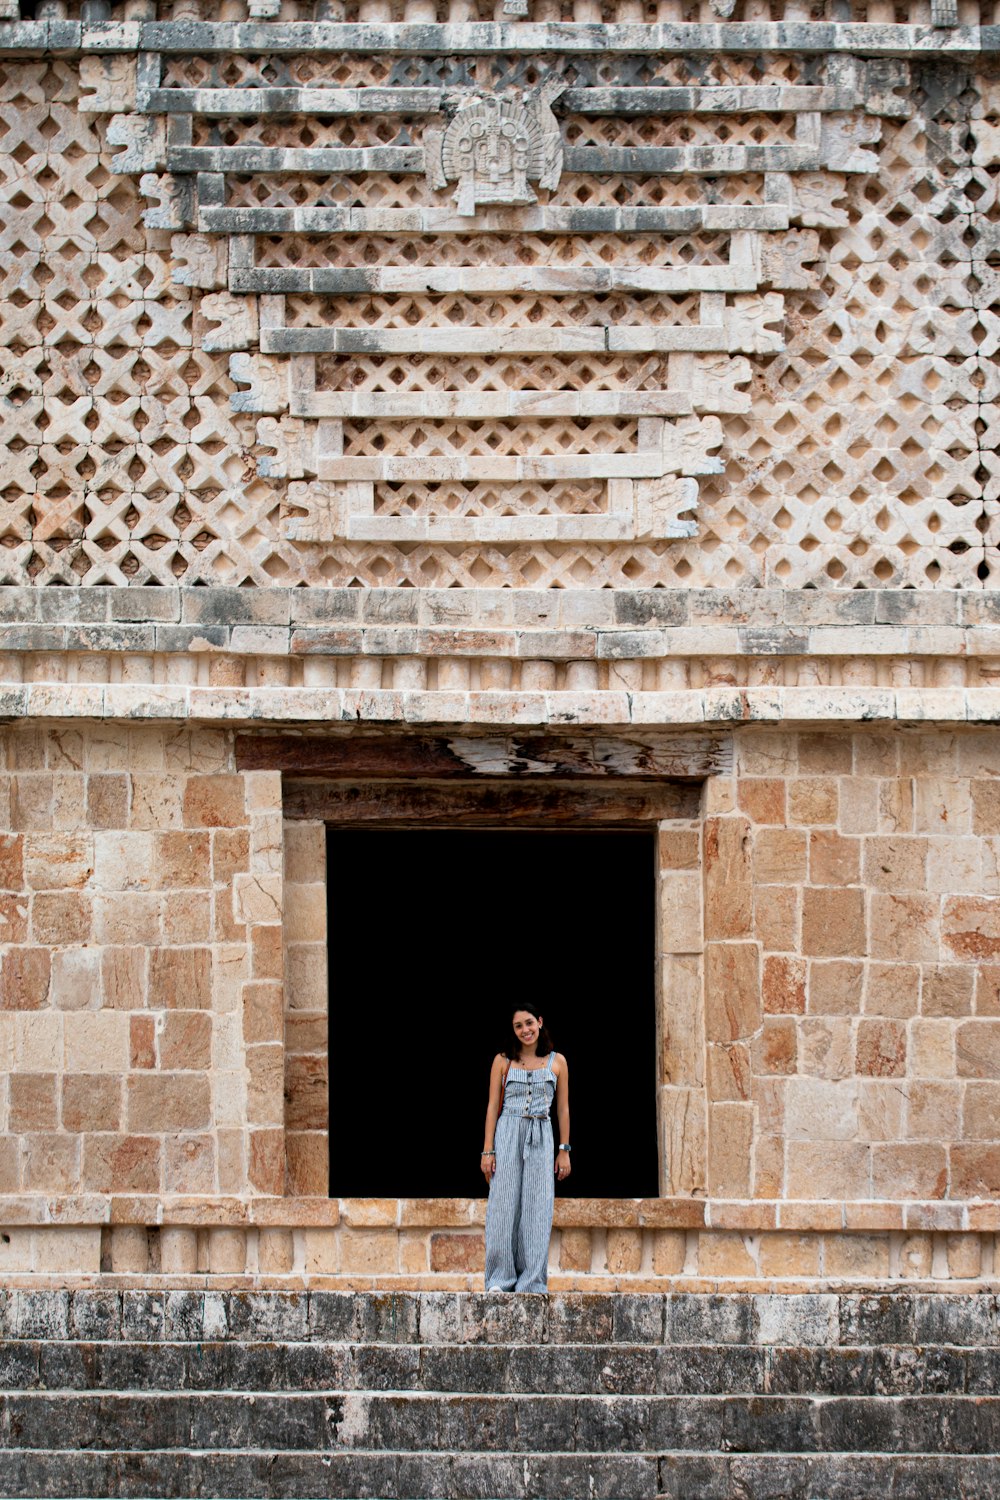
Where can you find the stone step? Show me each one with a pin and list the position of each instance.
(555, 1476)
(557, 1369)
(434, 1423)
(826, 1320)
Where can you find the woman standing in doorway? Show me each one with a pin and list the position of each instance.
(518, 1154)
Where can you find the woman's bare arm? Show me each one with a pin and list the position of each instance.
(562, 1114)
(492, 1115)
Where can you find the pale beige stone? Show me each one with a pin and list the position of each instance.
(129, 1250)
(856, 1256)
(669, 1252)
(932, 1049)
(789, 1255)
(178, 1251)
(96, 1042)
(227, 1251)
(305, 913)
(964, 1255)
(275, 1252)
(725, 1254)
(369, 1251)
(624, 1251)
(680, 913)
(915, 1256)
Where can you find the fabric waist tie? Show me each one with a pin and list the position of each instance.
(533, 1136)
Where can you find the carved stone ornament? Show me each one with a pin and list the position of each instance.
(496, 145)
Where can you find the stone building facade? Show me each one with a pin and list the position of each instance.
(460, 413)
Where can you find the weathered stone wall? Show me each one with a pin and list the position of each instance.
(142, 1017)
(656, 463)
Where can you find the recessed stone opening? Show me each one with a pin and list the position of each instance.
(432, 932)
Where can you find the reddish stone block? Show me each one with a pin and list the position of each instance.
(214, 801)
(230, 854)
(835, 987)
(784, 985)
(25, 974)
(458, 1252)
(33, 1102)
(306, 1084)
(91, 1101)
(180, 979)
(678, 849)
(970, 927)
(308, 1164)
(975, 1171)
(263, 1013)
(732, 991)
(11, 862)
(909, 1171)
(13, 918)
(159, 1102)
(762, 798)
(59, 917)
(881, 1049)
(267, 1161)
(121, 1164)
(833, 922)
(182, 860)
(977, 1049)
(266, 952)
(186, 1040)
(123, 977)
(728, 881)
(833, 859)
(775, 1047)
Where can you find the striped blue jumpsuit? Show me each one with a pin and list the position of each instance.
(519, 1209)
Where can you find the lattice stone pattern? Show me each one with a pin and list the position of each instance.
(846, 436)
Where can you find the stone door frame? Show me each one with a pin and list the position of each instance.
(617, 780)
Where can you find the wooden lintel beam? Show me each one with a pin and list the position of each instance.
(476, 804)
(365, 757)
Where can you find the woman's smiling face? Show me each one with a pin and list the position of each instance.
(526, 1027)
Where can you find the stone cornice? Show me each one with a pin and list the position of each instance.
(429, 39)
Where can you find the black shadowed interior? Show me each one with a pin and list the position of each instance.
(433, 932)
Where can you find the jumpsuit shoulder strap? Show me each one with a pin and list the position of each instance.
(551, 1060)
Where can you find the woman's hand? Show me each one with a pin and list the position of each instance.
(563, 1167)
(488, 1162)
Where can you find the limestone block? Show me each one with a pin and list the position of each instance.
(178, 1251)
(732, 990)
(227, 1251)
(129, 1250)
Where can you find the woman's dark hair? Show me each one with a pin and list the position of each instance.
(512, 1047)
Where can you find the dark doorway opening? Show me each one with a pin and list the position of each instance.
(432, 932)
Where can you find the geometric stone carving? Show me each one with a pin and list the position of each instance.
(496, 145)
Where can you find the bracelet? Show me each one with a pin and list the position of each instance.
(565, 1148)
(486, 1153)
